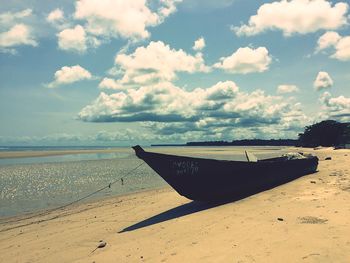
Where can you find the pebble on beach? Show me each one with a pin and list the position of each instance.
(102, 244)
(328, 158)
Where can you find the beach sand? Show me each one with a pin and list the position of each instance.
(307, 220)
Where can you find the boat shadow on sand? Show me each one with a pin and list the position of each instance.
(194, 207)
(183, 210)
(176, 212)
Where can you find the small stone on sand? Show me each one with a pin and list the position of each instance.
(102, 244)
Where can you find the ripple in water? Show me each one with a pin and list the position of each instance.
(31, 187)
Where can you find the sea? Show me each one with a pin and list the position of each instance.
(33, 184)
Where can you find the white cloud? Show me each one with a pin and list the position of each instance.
(246, 60)
(295, 16)
(323, 81)
(339, 44)
(154, 63)
(18, 35)
(167, 7)
(9, 18)
(282, 89)
(55, 15)
(73, 39)
(335, 107)
(328, 39)
(108, 83)
(199, 44)
(119, 18)
(169, 110)
(342, 49)
(57, 19)
(68, 75)
(14, 32)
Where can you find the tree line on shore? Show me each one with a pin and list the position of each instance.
(325, 133)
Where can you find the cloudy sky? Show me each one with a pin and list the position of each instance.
(119, 72)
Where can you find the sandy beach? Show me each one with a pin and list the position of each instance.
(307, 220)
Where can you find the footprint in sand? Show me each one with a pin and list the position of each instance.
(346, 188)
(336, 173)
(312, 220)
(311, 255)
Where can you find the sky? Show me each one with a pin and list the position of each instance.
(119, 72)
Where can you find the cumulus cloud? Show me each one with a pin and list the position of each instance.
(7, 19)
(339, 45)
(73, 39)
(108, 83)
(323, 81)
(335, 107)
(285, 88)
(167, 109)
(154, 63)
(18, 35)
(119, 18)
(14, 32)
(57, 19)
(246, 60)
(342, 49)
(101, 20)
(68, 75)
(328, 39)
(55, 15)
(167, 7)
(295, 16)
(199, 44)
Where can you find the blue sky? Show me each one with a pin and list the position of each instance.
(120, 72)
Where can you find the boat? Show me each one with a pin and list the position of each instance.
(212, 180)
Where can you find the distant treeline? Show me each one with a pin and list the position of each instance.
(251, 142)
(325, 133)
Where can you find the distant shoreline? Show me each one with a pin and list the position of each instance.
(252, 142)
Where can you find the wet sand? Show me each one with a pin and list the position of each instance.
(307, 220)
(24, 154)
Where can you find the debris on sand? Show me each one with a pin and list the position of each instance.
(101, 244)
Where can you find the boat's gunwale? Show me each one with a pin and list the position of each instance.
(262, 161)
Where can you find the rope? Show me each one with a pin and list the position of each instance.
(47, 212)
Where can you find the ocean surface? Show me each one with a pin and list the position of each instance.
(37, 183)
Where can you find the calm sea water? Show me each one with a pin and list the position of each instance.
(32, 184)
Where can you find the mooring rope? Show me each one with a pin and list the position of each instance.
(47, 212)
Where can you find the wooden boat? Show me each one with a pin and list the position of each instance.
(217, 180)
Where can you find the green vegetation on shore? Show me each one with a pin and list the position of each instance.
(326, 133)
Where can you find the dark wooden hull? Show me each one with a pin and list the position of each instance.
(215, 180)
